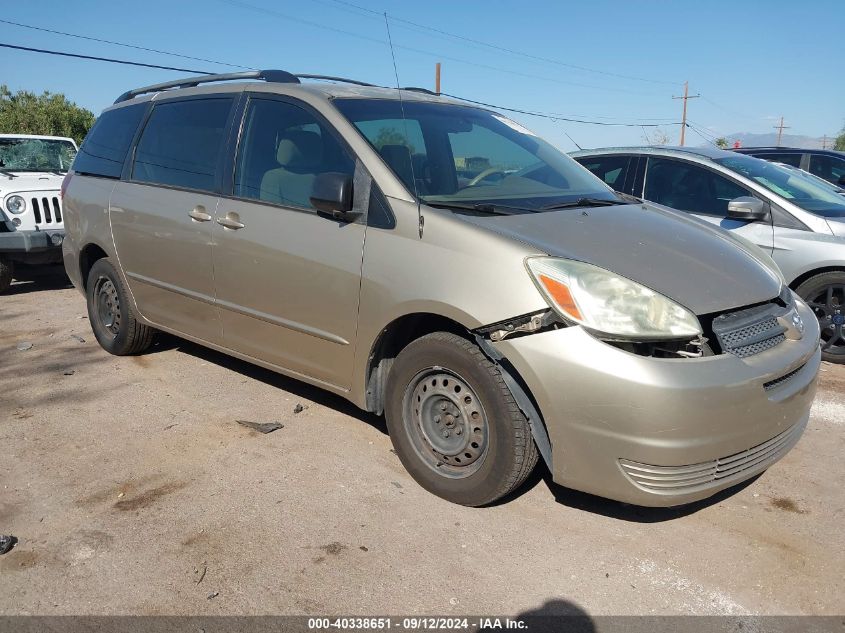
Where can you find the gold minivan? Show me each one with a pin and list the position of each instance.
(439, 263)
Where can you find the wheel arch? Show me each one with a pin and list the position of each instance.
(88, 256)
(800, 279)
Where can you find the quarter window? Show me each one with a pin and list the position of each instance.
(689, 187)
(104, 149)
(181, 143)
(283, 149)
(611, 169)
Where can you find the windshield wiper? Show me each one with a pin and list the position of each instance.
(584, 202)
(493, 209)
(6, 172)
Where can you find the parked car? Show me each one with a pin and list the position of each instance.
(819, 181)
(518, 308)
(824, 163)
(31, 172)
(799, 222)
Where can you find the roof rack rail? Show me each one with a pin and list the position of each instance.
(423, 90)
(276, 76)
(340, 79)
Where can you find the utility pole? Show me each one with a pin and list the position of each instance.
(437, 78)
(686, 97)
(780, 128)
(824, 141)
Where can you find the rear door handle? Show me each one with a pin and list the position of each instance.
(231, 221)
(198, 214)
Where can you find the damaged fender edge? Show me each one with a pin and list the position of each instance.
(523, 401)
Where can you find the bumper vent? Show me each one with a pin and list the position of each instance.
(777, 382)
(47, 210)
(684, 479)
(750, 331)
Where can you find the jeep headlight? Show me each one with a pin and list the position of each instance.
(15, 204)
(606, 303)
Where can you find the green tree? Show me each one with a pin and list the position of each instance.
(50, 114)
(839, 143)
(722, 142)
(391, 136)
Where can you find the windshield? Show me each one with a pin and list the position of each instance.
(454, 154)
(36, 154)
(790, 184)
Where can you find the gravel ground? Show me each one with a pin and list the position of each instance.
(133, 490)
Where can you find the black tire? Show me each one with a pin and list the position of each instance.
(825, 294)
(441, 383)
(111, 314)
(7, 269)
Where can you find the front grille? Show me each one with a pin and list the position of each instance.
(684, 479)
(750, 331)
(47, 210)
(777, 382)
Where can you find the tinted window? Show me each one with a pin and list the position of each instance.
(181, 143)
(830, 168)
(611, 169)
(283, 149)
(104, 149)
(786, 159)
(689, 187)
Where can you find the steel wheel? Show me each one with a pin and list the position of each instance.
(829, 307)
(446, 422)
(108, 305)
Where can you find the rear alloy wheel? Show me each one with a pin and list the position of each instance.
(454, 423)
(7, 269)
(825, 294)
(111, 315)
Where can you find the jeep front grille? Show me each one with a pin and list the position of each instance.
(47, 210)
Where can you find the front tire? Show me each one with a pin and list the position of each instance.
(454, 424)
(111, 314)
(7, 269)
(825, 294)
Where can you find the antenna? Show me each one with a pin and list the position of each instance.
(572, 139)
(420, 218)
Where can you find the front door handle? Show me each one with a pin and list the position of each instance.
(198, 214)
(231, 221)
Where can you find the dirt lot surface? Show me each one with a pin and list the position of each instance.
(132, 489)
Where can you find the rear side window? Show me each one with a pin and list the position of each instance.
(786, 159)
(611, 169)
(104, 149)
(828, 167)
(180, 145)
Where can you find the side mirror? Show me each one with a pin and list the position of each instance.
(332, 194)
(748, 209)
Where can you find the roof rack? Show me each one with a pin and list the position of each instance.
(423, 90)
(275, 76)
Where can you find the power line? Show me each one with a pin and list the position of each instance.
(112, 42)
(284, 16)
(103, 59)
(545, 115)
(500, 48)
(550, 116)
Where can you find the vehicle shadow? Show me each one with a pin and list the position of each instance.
(38, 279)
(165, 342)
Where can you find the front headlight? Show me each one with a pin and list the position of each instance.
(607, 303)
(15, 204)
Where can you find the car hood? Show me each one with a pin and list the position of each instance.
(699, 266)
(30, 181)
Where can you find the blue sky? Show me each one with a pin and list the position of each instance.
(752, 61)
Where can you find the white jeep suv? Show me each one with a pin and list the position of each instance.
(31, 223)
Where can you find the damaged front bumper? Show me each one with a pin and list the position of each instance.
(661, 431)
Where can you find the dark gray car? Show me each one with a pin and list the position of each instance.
(799, 222)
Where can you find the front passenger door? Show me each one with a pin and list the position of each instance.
(288, 278)
(705, 193)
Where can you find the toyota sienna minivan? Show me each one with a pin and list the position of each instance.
(440, 264)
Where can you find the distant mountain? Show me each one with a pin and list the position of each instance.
(771, 139)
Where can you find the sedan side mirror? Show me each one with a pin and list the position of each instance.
(748, 209)
(332, 194)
